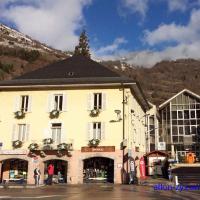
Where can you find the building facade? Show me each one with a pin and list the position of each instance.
(76, 114)
(180, 124)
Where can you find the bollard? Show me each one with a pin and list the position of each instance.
(176, 181)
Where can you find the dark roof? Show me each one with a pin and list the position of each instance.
(73, 67)
(76, 70)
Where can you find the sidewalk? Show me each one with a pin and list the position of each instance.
(151, 181)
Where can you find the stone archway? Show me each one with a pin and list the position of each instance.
(98, 169)
(15, 169)
(60, 170)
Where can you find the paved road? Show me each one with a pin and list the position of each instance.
(97, 192)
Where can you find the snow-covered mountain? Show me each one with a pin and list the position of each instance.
(12, 38)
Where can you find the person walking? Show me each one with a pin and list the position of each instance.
(137, 167)
(50, 174)
(37, 174)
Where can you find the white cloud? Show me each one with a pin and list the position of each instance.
(111, 48)
(52, 22)
(181, 5)
(185, 37)
(136, 6)
(176, 33)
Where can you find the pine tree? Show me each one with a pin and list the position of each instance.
(83, 47)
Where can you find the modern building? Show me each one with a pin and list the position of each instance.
(180, 124)
(77, 114)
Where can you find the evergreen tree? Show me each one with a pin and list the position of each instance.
(83, 47)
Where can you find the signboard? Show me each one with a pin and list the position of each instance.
(142, 168)
(162, 146)
(98, 149)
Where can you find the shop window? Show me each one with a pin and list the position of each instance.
(56, 132)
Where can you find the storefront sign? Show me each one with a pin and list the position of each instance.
(14, 152)
(98, 149)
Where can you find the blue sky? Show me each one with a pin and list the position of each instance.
(143, 31)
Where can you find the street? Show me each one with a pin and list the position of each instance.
(97, 192)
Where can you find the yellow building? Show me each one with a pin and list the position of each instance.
(76, 114)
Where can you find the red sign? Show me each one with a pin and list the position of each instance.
(98, 149)
(142, 168)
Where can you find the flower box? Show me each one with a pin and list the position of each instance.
(19, 114)
(54, 114)
(94, 112)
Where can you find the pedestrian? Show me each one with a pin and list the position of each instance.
(37, 174)
(50, 174)
(137, 167)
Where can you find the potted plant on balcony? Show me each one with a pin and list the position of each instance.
(19, 114)
(94, 112)
(64, 146)
(47, 143)
(33, 146)
(17, 144)
(54, 114)
(94, 142)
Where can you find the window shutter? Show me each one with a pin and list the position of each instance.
(27, 132)
(90, 102)
(29, 103)
(50, 103)
(16, 104)
(65, 102)
(103, 130)
(103, 101)
(47, 133)
(89, 132)
(63, 134)
(14, 133)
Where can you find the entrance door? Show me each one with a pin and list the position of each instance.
(60, 171)
(98, 169)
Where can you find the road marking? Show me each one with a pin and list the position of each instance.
(38, 197)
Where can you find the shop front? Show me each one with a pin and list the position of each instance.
(60, 171)
(14, 170)
(98, 169)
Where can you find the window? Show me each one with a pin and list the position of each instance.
(97, 100)
(180, 114)
(24, 103)
(58, 102)
(192, 114)
(56, 132)
(21, 132)
(97, 130)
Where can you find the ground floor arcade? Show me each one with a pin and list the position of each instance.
(77, 168)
